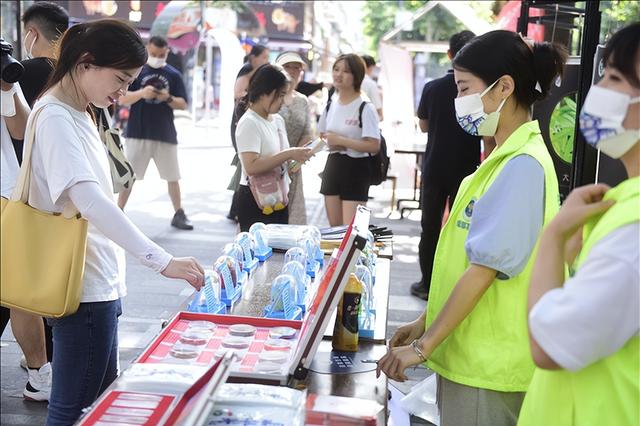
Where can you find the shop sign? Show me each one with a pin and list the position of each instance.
(280, 20)
(140, 12)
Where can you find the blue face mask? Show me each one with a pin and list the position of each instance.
(601, 119)
(471, 116)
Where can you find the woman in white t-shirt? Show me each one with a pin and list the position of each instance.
(70, 169)
(350, 126)
(262, 142)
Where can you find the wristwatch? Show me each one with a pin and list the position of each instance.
(418, 351)
(169, 99)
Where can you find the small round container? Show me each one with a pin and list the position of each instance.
(267, 367)
(282, 333)
(245, 330)
(195, 337)
(184, 351)
(239, 353)
(277, 357)
(278, 345)
(236, 342)
(201, 326)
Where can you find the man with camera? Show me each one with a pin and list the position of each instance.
(151, 133)
(27, 328)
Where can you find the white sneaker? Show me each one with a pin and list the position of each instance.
(23, 362)
(38, 387)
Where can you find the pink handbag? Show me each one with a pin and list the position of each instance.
(271, 189)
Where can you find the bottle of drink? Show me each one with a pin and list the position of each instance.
(345, 329)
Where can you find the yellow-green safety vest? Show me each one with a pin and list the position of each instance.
(606, 392)
(490, 348)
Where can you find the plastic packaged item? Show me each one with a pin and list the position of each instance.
(310, 247)
(231, 288)
(283, 299)
(297, 254)
(282, 333)
(314, 232)
(301, 281)
(259, 232)
(234, 250)
(245, 330)
(251, 404)
(316, 146)
(246, 242)
(345, 330)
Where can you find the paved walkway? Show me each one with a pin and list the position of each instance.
(204, 157)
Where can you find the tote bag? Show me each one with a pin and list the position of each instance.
(42, 254)
(122, 174)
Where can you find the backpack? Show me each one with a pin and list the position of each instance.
(379, 162)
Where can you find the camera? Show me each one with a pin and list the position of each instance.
(10, 69)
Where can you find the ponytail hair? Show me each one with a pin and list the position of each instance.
(265, 80)
(533, 66)
(105, 43)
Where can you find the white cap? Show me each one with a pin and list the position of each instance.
(288, 57)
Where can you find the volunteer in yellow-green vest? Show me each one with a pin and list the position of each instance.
(584, 331)
(474, 332)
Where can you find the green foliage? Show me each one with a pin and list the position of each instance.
(437, 25)
(561, 127)
(617, 14)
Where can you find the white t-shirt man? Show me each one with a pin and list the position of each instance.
(371, 89)
(343, 120)
(9, 167)
(69, 162)
(596, 311)
(266, 137)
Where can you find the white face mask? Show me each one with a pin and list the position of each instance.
(156, 62)
(8, 104)
(29, 51)
(601, 119)
(471, 116)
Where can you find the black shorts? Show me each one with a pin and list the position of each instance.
(346, 177)
(249, 212)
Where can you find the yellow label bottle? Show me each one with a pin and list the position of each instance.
(345, 329)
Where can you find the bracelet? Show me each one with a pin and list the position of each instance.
(169, 99)
(417, 350)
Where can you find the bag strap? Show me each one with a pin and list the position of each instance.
(360, 110)
(21, 190)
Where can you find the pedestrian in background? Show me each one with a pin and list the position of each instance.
(151, 132)
(298, 121)
(262, 142)
(351, 127)
(370, 86)
(258, 56)
(44, 22)
(451, 155)
(583, 328)
(27, 328)
(70, 169)
(473, 333)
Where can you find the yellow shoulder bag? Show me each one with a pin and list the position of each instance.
(42, 254)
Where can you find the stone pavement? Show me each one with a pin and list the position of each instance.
(204, 157)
